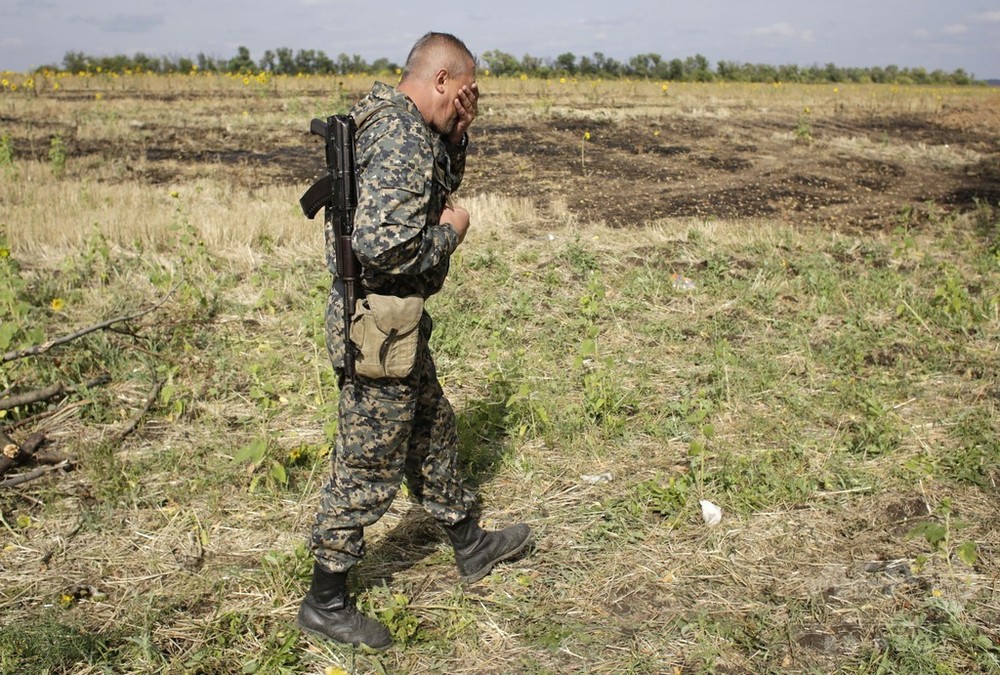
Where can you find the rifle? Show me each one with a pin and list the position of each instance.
(337, 191)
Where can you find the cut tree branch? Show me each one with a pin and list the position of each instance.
(13, 455)
(34, 473)
(52, 391)
(134, 424)
(52, 457)
(55, 342)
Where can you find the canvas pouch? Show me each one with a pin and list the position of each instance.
(385, 331)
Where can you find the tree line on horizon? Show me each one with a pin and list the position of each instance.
(284, 61)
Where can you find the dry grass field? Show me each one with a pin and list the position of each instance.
(783, 299)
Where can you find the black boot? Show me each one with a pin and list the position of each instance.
(477, 551)
(329, 611)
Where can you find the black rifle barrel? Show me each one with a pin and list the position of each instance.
(341, 129)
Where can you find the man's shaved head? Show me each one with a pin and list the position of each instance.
(440, 79)
(435, 51)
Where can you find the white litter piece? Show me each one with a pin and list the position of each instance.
(710, 512)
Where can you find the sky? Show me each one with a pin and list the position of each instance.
(908, 33)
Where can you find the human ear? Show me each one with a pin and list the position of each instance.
(440, 80)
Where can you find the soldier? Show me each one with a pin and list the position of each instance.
(410, 151)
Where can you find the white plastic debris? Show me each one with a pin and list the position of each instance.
(710, 512)
(598, 479)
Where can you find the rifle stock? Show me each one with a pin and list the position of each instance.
(337, 193)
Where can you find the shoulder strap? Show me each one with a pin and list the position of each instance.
(365, 117)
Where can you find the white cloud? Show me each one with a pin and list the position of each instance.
(921, 34)
(782, 29)
(956, 29)
(989, 17)
(785, 30)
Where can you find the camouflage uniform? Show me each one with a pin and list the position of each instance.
(388, 428)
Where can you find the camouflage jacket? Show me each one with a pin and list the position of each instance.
(406, 172)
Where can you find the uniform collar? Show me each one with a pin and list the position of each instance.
(384, 92)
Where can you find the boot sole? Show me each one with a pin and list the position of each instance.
(486, 569)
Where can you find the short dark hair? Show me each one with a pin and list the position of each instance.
(429, 45)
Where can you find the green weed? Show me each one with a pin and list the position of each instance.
(57, 155)
(803, 127)
(985, 219)
(936, 638)
(6, 152)
(262, 467)
(392, 609)
(666, 495)
(580, 259)
(941, 532)
(279, 653)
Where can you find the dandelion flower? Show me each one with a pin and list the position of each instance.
(586, 135)
(562, 80)
(57, 304)
(4, 252)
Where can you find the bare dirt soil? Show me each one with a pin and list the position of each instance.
(848, 170)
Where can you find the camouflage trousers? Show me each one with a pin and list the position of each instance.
(387, 429)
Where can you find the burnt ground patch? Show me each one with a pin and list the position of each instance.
(288, 164)
(627, 174)
(623, 173)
